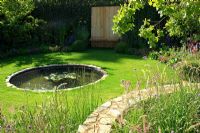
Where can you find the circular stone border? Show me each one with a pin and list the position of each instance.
(99, 69)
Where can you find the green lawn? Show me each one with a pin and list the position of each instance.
(117, 66)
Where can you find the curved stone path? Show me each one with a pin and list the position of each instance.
(101, 120)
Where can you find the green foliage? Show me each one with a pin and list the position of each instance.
(57, 33)
(122, 47)
(173, 55)
(54, 33)
(185, 63)
(161, 112)
(180, 19)
(189, 67)
(123, 22)
(196, 37)
(131, 37)
(82, 33)
(190, 71)
(18, 27)
(147, 31)
(154, 55)
(14, 10)
(79, 45)
(177, 112)
(56, 114)
(183, 16)
(168, 56)
(60, 34)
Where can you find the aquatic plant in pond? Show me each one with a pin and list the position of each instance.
(54, 77)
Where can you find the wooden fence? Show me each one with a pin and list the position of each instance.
(101, 26)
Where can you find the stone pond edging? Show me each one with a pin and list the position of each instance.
(68, 89)
(102, 119)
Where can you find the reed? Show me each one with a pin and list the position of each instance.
(59, 113)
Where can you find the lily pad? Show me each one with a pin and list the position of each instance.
(55, 77)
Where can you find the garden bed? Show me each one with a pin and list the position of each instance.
(77, 103)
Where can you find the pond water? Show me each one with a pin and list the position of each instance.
(56, 77)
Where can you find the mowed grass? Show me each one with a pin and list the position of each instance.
(117, 66)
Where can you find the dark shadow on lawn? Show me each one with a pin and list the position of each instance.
(64, 58)
(42, 59)
(35, 59)
(105, 55)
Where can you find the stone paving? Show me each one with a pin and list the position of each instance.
(101, 120)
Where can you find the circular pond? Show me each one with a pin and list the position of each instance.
(52, 77)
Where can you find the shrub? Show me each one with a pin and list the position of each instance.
(18, 28)
(59, 32)
(79, 45)
(82, 33)
(185, 62)
(153, 55)
(169, 56)
(190, 71)
(122, 47)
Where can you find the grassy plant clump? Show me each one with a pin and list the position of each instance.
(190, 71)
(189, 68)
(177, 112)
(57, 114)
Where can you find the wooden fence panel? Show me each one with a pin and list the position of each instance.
(101, 30)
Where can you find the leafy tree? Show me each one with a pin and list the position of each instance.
(124, 20)
(181, 18)
(16, 23)
(16, 9)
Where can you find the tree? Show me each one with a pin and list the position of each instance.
(181, 18)
(16, 22)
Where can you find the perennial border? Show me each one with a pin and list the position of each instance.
(102, 119)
